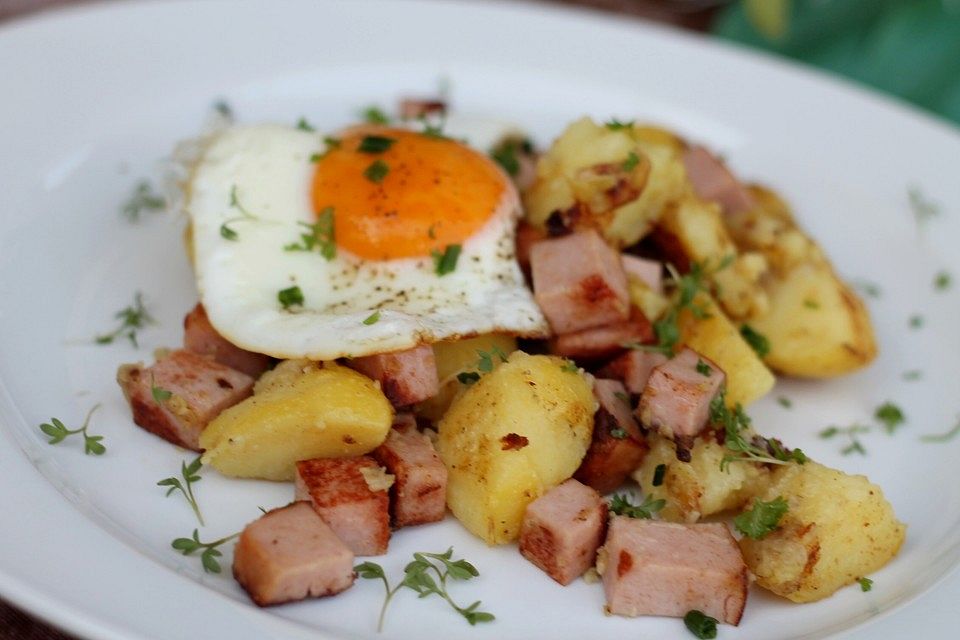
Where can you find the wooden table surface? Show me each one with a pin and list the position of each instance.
(692, 14)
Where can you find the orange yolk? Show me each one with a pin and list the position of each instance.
(435, 192)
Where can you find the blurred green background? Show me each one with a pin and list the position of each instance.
(909, 48)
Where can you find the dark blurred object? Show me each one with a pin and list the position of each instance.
(909, 48)
(697, 15)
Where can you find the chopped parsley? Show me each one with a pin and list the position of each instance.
(615, 125)
(701, 625)
(785, 402)
(373, 318)
(762, 519)
(506, 156)
(890, 416)
(159, 395)
(658, 474)
(226, 232)
(374, 115)
(854, 446)
(570, 367)
(142, 199)
(290, 297)
(446, 262)
(866, 584)
(631, 162)
(703, 368)
(331, 144)
(375, 144)
(485, 363)
(620, 505)
(757, 341)
(321, 236)
(303, 125)
(377, 171)
(942, 281)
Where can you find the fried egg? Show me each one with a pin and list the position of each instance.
(310, 249)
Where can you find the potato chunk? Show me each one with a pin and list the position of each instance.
(838, 528)
(300, 410)
(517, 432)
(696, 489)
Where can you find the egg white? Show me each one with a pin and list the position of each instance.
(269, 169)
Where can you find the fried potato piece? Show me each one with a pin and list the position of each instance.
(837, 528)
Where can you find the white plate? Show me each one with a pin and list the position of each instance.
(94, 98)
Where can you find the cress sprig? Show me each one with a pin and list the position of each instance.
(189, 475)
(58, 432)
(209, 554)
(131, 318)
(418, 576)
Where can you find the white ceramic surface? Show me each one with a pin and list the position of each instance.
(94, 98)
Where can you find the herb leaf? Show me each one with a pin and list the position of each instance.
(615, 125)
(942, 281)
(703, 368)
(762, 519)
(700, 624)
(132, 319)
(757, 449)
(58, 432)
(890, 416)
(190, 475)
(468, 377)
(866, 584)
(446, 262)
(377, 171)
(631, 162)
(290, 297)
(321, 236)
(303, 125)
(620, 505)
(142, 199)
(209, 553)
(373, 318)
(159, 395)
(375, 144)
(757, 341)
(375, 115)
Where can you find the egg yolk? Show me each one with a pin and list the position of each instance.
(405, 197)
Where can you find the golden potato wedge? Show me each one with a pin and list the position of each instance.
(511, 436)
(837, 528)
(617, 181)
(299, 410)
(699, 488)
(458, 356)
(717, 338)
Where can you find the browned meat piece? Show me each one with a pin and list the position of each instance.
(290, 554)
(713, 181)
(605, 341)
(633, 368)
(650, 272)
(179, 395)
(617, 446)
(420, 490)
(406, 376)
(562, 529)
(676, 400)
(350, 494)
(664, 569)
(200, 337)
(578, 281)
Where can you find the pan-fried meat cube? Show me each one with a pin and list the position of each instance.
(179, 395)
(290, 554)
(200, 337)
(664, 569)
(676, 400)
(405, 377)
(713, 181)
(350, 494)
(527, 236)
(420, 489)
(605, 341)
(650, 272)
(633, 368)
(617, 446)
(578, 281)
(562, 529)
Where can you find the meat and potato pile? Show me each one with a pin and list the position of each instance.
(674, 293)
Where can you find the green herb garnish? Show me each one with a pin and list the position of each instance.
(916, 321)
(132, 319)
(226, 231)
(703, 368)
(374, 115)
(303, 125)
(331, 144)
(616, 125)
(890, 416)
(189, 474)
(468, 377)
(419, 577)
(912, 374)
(631, 162)
(943, 437)
(618, 433)
(785, 402)
(446, 262)
(486, 364)
(942, 281)
(757, 341)
(569, 367)
(375, 144)
(290, 297)
(142, 199)
(869, 288)
(736, 427)
(159, 395)
(866, 584)
(377, 171)
(762, 519)
(506, 156)
(210, 553)
(373, 318)
(321, 236)
(223, 108)
(620, 505)
(658, 474)
(701, 625)
(923, 208)
(855, 446)
(58, 432)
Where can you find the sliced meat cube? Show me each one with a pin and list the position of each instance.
(578, 281)
(605, 341)
(200, 337)
(713, 181)
(413, 108)
(350, 494)
(633, 368)
(419, 492)
(617, 446)
(290, 554)
(527, 236)
(664, 569)
(676, 400)
(179, 395)
(650, 272)
(562, 529)
(405, 377)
